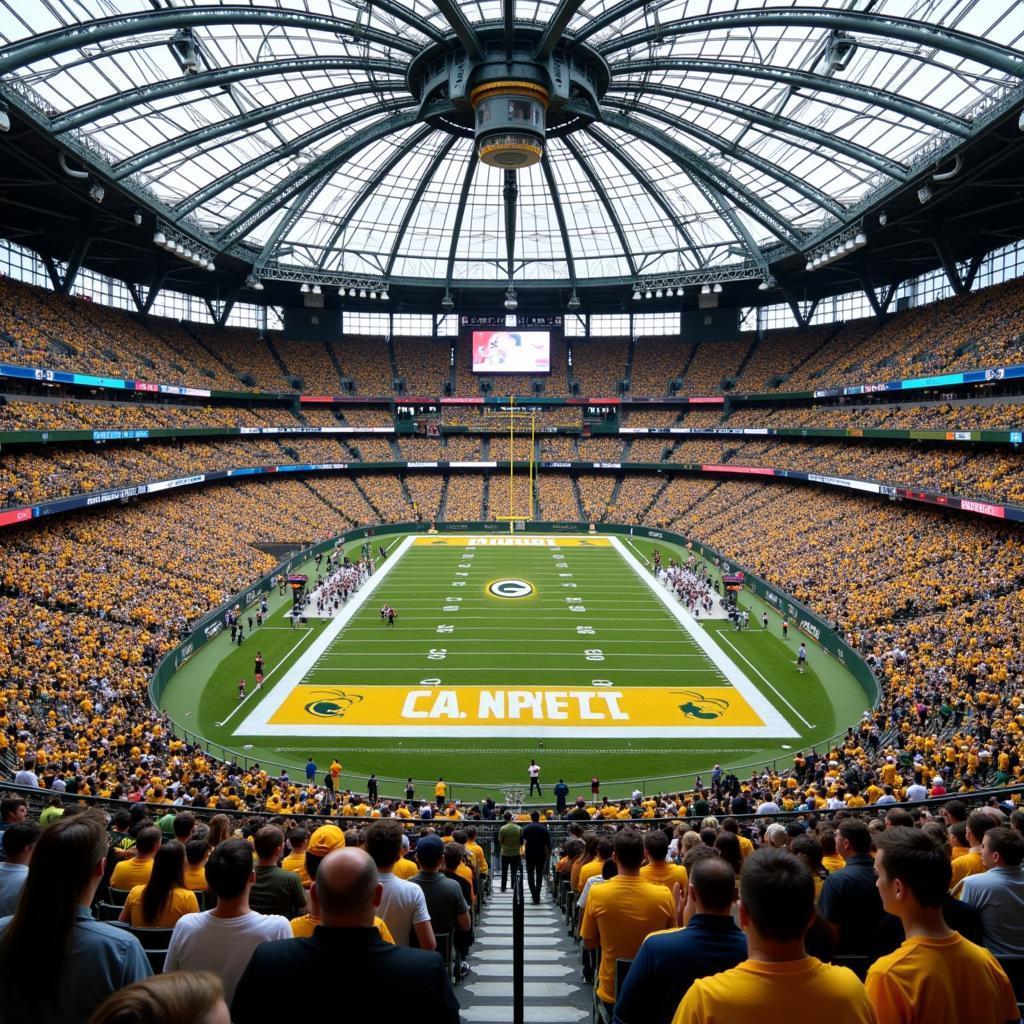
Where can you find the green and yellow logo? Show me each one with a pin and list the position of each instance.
(510, 588)
(703, 709)
(332, 703)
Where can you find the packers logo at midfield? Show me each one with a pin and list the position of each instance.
(332, 703)
(697, 706)
(510, 588)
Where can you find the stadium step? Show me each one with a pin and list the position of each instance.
(553, 992)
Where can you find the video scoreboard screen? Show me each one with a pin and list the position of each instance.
(511, 344)
(511, 351)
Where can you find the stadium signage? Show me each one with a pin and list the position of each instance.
(810, 629)
(123, 492)
(167, 485)
(422, 465)
(213, 629)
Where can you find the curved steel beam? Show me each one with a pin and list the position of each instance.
(775, 122)
(239, 122)
(463, 30)
(993, 55)
(714, 141)
(301, 179)
(89, 112)
(721, 204)
(559, 215)
(622, 156)
(467, 181)
(371, 185)
(555, 27)
(414, 202)
(803, 80)
(279, 153)
(598, 187)
(723, 182)
(74, 37)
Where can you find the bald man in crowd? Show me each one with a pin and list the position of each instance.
(396, 981)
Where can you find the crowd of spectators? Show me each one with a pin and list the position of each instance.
(599, 364)
(556, 498)
(656, 363)
(423, 364)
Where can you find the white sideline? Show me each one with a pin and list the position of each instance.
(257, 722)
(774, 723)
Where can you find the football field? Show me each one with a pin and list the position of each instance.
(562, 648)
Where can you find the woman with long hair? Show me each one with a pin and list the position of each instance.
(192, 997)
(220, 829)
(52, 931)
(163, 899)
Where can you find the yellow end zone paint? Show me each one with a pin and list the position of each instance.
(597, 711)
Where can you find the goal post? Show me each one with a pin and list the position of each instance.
(518, 518)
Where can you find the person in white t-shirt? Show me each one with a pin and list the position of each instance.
(403, 907)
(222, 940)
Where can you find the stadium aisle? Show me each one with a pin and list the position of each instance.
(553, 992)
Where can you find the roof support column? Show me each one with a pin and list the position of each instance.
(75, 264)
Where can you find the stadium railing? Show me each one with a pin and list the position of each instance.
(487, 828)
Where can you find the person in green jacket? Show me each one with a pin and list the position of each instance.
(510, 840)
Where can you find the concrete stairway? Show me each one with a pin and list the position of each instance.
(553, 993)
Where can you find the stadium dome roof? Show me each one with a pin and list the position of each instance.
(683, 138)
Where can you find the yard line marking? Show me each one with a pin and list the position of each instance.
(252, 693)
(768, 684)
(482, 672)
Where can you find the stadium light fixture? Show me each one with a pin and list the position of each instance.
(860, 239)
(341, 292)
(924, 193)
(316, 289)
(659, 294)
(511, 302)
(137, 218)
(97, 192)
(5, 118)
(718, 288)
(883, 218)
(574, 302)
(669, 293)
(636, 295)
(849, 245)
(351, 293)
(648, 294)
(373, 297)
(210, 265)
(447, 302)
(304, 288)
(257, 286)
(159, 238)
(763, 286)
(362, 293)
(810, 265)
(384, 295)
(705, 289)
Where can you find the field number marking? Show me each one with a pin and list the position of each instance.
(594, 654)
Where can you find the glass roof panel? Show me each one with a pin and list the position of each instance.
(711, 134)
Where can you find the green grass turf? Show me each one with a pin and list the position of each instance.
(531, 641)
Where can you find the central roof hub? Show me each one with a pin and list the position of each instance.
(509, 102)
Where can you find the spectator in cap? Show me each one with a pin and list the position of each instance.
(449, 911)
(345, 892)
